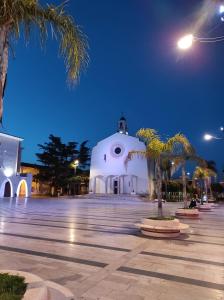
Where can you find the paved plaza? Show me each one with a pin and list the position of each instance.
(92, 247)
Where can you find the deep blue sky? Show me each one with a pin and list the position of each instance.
(134, 67)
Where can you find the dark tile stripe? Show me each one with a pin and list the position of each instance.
(186, 280)
(55, 256)
(202, 261)
(65, 242)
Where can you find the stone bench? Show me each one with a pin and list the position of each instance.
(187, 213)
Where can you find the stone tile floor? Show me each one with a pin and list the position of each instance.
(92, 247)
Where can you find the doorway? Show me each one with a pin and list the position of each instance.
(115, 187)
(7, 191)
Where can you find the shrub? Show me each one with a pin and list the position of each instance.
(12, 287)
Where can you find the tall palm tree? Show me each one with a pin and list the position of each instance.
(180, 159)
(156, 150)
(212, 172)
(203, 174)
(18, 16)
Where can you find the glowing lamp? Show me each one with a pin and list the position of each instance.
(185, 42)
(8, 172)
(208, 137)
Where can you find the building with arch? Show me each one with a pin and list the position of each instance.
(109, 171)
(12, 182)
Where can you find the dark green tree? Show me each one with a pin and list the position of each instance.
(56, 157)
(84, 156)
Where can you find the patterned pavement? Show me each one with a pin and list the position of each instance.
(92, 247)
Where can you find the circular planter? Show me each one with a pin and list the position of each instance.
(40, 289)
(205, 207)
(162, 228)
(187, 213)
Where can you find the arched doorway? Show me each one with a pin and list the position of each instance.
(22, 190)
(8, 190)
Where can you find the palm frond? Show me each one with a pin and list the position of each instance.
(25, 15)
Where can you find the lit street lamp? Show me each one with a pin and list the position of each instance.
(75, 165)
(185, 42)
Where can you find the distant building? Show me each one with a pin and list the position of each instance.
(12, 182)
(37, 188)
(109, 174)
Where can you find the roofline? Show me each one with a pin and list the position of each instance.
(11, 136)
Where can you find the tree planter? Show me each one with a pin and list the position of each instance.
(38, 289)
(205, 207)
(162, 228)
(187, 213)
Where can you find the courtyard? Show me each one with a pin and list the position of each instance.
(92, 247)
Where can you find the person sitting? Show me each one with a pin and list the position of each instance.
(193, 203)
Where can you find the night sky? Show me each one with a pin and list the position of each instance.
(134, 68)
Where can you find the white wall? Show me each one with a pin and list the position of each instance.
(9, 148)
(105, 162)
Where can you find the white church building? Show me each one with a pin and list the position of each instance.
(110, 173)
(12, 183)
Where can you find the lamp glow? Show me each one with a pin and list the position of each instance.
(221, 9)
(208, 137)
(185, 42)
(8, 172)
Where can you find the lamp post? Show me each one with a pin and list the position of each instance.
(75, 166)
(208, 137)
(187, 41)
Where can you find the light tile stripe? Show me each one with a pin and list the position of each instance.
(189, 259)
(55, 256)
(66, 242)
(180, 279)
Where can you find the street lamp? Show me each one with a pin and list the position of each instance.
(75, 165)
(185, 42)
(209, 137)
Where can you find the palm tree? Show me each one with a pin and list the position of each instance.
(26, 15)
(156, 150)
(212, 170)
(203, 174)
(180, 159)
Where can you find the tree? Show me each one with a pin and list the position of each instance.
(16, 15)
(84, 155)
(56, 157)
(183, 155)
(203, 174)
(156, 150)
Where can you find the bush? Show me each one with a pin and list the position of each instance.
(12, 287)
(7, 296)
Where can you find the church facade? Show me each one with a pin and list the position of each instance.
(111, 173)
(12, 182)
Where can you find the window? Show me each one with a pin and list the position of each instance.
(105, 157)
(117, 150)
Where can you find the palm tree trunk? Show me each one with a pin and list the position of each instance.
(3, 63)
(159, 188)
(206, 189)
(184, 185)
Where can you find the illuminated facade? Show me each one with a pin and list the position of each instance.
(12, 182)
(109, 172)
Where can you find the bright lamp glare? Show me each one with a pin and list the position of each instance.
(221, 9)
(185, 42)
(208, 137)
(8, 172)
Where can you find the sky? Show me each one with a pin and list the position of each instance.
(135, 68)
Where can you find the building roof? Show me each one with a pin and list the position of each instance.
(11, 136)
(30, 165)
